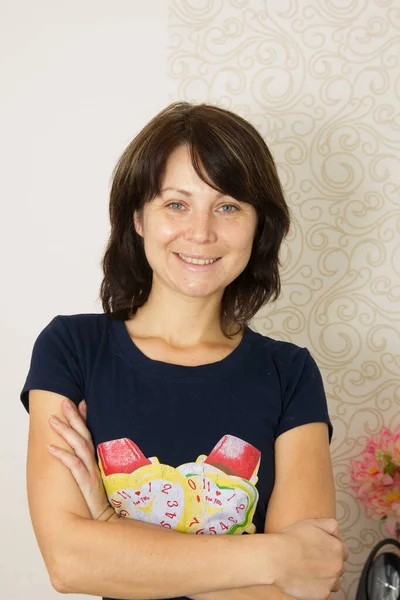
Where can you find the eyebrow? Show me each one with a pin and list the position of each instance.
(186, 193)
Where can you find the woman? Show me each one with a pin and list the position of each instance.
(198, 423)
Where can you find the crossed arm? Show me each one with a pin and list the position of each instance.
(53, 491)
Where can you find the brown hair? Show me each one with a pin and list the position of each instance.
(238, 163)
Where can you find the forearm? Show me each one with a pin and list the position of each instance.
(125, 558)
(257, 592)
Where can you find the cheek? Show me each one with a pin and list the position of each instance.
(160, 233)
(158, 226)
(241, 240)
(168, 229)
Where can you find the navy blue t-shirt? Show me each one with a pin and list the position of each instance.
(189, 448)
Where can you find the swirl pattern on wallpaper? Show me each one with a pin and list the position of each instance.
(320, 80)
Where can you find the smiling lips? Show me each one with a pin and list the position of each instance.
(196, 264)
(197, 260)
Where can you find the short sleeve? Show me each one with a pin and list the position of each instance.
(304, 399)
(54, 365)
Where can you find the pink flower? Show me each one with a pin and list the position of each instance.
(376, 475)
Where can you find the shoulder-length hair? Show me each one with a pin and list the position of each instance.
(238, 163)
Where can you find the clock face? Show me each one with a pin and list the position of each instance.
(221, 503)
(197, 497)
(384, 577)
(154, 494)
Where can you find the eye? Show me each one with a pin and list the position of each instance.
(236, 208)
(231, 206)
(171, 203)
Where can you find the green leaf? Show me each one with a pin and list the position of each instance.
(390, 469)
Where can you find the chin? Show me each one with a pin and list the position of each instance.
(199, 292)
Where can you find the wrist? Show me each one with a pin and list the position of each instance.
(107, 514)
(273, 556)
(114, 517)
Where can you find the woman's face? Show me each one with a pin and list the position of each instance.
(196, 222)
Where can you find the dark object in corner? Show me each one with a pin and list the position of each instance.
(380, 577)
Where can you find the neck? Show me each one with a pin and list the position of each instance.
(181, 321)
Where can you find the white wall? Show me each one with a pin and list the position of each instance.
(79, 79)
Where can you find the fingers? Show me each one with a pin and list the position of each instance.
(337, 585)
(81, 460)
(76, 421)
(71, 432)
(91, 486)
(345, 552)
(344, 547)
(330, 525)
(72, 462)
(74, 418)
(82, 408)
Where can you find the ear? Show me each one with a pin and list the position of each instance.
(137, 221)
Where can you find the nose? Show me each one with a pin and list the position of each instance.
(201, 228)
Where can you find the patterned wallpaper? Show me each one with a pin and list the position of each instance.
(321, 81)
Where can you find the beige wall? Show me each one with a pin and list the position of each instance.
(321, 80)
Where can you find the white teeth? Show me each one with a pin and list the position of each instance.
(196, 261)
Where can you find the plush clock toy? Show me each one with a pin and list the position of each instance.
(214, 495)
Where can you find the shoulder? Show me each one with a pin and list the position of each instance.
(81, 323)
(82, 320)
(284, 354)
(289, 361)
(76, 331)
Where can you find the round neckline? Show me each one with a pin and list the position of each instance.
(175, 371)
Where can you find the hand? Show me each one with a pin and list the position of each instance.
(81, 461)
(317, 556)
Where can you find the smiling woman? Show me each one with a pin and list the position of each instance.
(177, 239)
(195, 427)
(200, 158)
